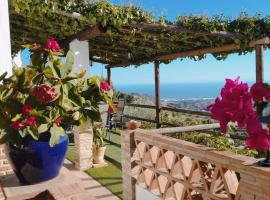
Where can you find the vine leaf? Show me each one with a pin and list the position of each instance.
(67, 67)
(56, 132)
(43, 128)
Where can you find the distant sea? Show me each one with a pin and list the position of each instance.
(178, 91)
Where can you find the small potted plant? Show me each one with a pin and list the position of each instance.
(99, 147)
(38, 103)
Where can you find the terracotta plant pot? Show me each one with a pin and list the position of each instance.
(132, 125)
(98, 155)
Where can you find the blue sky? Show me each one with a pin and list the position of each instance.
(188, 71)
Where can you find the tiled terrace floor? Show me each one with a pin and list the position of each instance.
(70, 184)
(111, 175)
(91, 185)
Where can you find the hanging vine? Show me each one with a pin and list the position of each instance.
(36, 20)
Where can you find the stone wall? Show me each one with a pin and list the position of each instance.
(83, 138)
(5, 168)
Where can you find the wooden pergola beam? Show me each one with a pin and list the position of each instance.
(259, 73)
(172, 56)
(198, 52)
(157, 94)
(109, 75)
(225, 48)
(263, 41)
(98, 59)
(259, 63)
(86, 34)
(89, 33)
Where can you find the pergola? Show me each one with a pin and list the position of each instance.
(139, 38)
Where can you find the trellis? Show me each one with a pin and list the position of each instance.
(124, 36)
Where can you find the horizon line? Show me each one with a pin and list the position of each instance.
(168, 83)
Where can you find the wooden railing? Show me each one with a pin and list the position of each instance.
(157, 120)
(178, 170)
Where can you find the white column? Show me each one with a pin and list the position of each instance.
(81, 55)
(5, 66)
(5, 46)
(17, 60)
(83, 135)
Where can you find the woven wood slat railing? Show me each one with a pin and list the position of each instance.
(180, 170)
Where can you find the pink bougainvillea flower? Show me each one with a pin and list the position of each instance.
(253, 124)
(231, 83)
(44, 93)
(104, 85)
(17, 125)
(220, 114)
(26, 109)
(58, 121)
(52, 44)
(259, 93)
(30, 121)
(235, 105)
(260, 141)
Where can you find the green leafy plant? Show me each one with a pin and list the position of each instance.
(99, 135)
(220, 142)
(46, 97)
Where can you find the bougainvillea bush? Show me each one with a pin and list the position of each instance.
(45, 97)
(237, 104)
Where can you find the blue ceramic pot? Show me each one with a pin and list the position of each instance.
(36, 161)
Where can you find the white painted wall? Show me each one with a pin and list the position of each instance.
(5, 46)
(81, 55)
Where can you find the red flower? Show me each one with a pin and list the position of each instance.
(51, 44)
(259, 93)
(44, 93)
(26, 109)
(30, 121)
(17, 125)
(104, 85)
(58, 121)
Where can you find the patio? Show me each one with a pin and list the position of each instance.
(152, 164)
(109, 176)
(71, 184)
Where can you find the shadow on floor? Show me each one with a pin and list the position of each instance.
(105, 178)
(105, 185)
(112, 143)
(108, 195)
(114, 162)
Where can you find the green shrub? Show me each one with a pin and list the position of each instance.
(220, 142)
